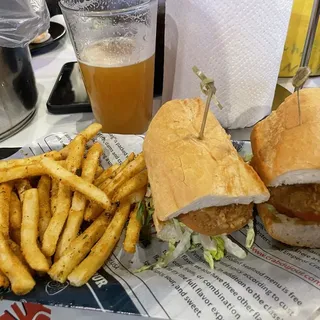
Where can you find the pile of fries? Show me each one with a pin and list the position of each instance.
(45, 199)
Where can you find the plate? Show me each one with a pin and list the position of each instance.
(56, 30)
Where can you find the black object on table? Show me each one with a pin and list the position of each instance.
(57, 31)
(69, 94)
(7, 152)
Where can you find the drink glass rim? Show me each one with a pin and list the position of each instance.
(92, 13)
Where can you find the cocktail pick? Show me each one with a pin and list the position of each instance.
(208, 88)
(298, 81)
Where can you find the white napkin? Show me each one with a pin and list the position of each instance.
(238, 43)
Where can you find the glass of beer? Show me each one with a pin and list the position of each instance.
(114, 41)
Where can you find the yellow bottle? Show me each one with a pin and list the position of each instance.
(296, 36)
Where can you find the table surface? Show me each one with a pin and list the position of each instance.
(47, 67)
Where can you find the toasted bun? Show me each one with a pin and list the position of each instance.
(292, 231)
(187, 174)
(165, 229)
(285, 152)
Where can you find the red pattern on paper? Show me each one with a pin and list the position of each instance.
(27, 311)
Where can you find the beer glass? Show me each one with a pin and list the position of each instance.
(114, 41)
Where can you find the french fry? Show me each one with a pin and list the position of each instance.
(102, 249)
(76, 154)
(76, 183)
(15, 235)
(88, 133)
(106, 174)
(21, 172)
(76, 212)
(17, 251)
(55, 226)
(21, 186)
(44, 187)
(54, 195)
(98, 172)
(133, 168)
(133, 232)
(5, 195)
(78, 249)
(4, 281)
(6, 164)
(15, 217)
(93, 209)
(135, 183)
(57, 221)
(62, 163)
(136, 196)
(29, 232)
(120, 168)
(18, 275)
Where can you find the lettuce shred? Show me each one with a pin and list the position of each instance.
(214, 248)
(250, 235)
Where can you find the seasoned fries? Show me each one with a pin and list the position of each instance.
(102, 249)
(54, 228)
(20, 279)
(15, 217)
(87, 133)
(135, 183)
(93, 210)
(76, 212)
(5, 195)
(56, 223)
(76, 153)
(120, 168)
(106, 174)
(98, 172)
(14, 173)
(136, 196)
(44, 187)
(29, 232)
(133, 232)
(21, 186)
(54, 195)
(76, 183)
(44, 200)
(4, 282)
(15, 212)
(78, 249)
(6, 164)
(134, 167)
(17, 251)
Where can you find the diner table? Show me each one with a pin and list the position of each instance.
(47, 67)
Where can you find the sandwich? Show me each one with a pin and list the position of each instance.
(286, 155)
(202, 190)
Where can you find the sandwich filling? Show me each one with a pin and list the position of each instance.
(214, 221)
(297, 201)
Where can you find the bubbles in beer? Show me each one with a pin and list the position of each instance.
(112, 52)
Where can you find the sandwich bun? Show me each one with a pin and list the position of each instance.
(190, 175)
(291, 231)
(285, 152)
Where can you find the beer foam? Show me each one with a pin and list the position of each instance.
(113, 52)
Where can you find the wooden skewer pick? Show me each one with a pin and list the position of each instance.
(208, 88)
(298, 81)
